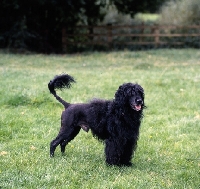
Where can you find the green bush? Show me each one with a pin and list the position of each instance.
(180, 12)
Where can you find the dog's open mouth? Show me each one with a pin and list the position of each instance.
(137, 107)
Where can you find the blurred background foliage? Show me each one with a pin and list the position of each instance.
(36, 25)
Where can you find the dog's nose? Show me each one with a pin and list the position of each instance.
(139, 101)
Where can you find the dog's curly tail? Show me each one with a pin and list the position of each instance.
(60, 82)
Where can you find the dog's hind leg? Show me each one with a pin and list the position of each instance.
(54, 143)
(63, 139)
(70, 135)
(81, 124)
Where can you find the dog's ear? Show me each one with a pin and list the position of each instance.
(119, 95)
(140, 89)
(122, 93)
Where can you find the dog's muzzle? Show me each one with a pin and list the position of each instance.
(137, 105)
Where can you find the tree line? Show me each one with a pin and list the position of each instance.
(36, 24)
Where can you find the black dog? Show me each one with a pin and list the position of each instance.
(117, 121)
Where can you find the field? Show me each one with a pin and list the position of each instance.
(168, 149)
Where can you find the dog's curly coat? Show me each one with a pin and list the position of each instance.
(117, 121)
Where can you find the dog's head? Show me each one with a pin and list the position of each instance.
(130, 95)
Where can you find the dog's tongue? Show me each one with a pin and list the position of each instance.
(138, 107)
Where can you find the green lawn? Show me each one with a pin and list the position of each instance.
(168, 149)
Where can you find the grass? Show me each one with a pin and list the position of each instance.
(168, 149)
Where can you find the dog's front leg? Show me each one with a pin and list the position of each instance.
(112, 151)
